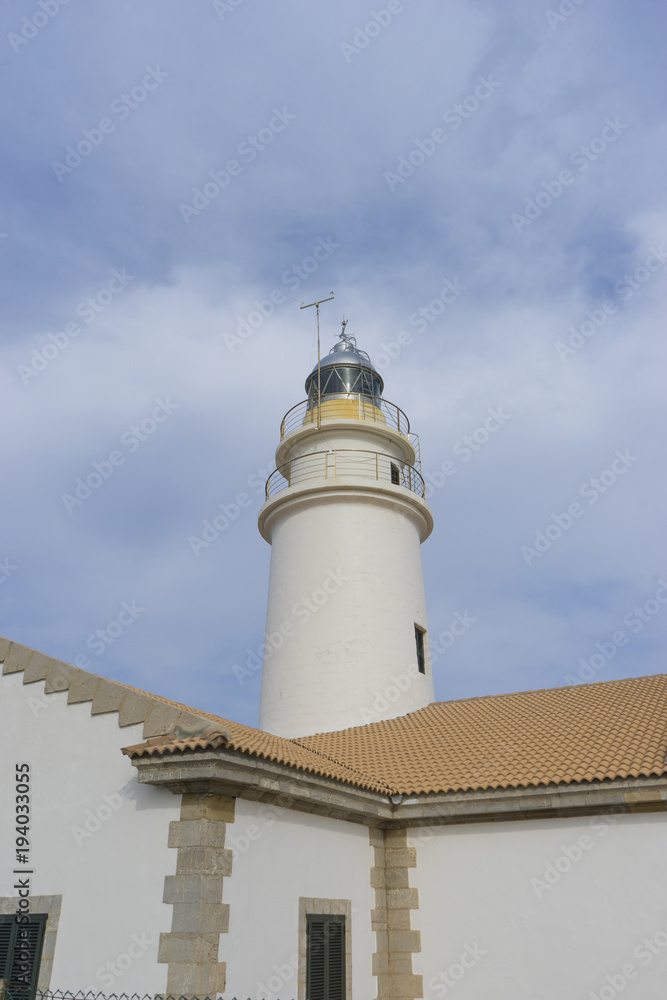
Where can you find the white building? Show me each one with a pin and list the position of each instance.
(366, 842)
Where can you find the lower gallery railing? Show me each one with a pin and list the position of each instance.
(345, 464)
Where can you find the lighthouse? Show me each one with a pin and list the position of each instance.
(345, 515)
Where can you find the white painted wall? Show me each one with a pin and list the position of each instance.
(111, 881)
(563, 941)
(280, 855)
(350, 659)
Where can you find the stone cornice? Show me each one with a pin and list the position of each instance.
(369, 490)
(629, 795)
(237, 774)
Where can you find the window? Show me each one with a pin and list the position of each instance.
(421, 657)
(325, 957)
(343, 380)
(395, 475)
(21, 952)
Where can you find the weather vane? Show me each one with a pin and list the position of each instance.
(345, 337)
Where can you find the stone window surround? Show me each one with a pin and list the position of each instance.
(333, 907)
(51, 905)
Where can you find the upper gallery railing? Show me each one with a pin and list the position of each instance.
(352, 406)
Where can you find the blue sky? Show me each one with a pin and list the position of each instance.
(487, 177)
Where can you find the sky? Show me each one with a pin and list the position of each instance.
(483, 180)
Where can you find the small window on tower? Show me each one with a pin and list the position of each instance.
(421, 657)
(395, 475)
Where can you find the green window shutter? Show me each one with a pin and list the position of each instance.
(316, 960)
(336, 960)
(7, 934)
(325, 957)
(21, 952)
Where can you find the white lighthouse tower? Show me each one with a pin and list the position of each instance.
(346, 630)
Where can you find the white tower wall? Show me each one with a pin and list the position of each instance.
(347, 587)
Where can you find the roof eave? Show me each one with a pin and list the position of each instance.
(237, 774)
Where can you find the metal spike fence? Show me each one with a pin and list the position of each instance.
(13, 993)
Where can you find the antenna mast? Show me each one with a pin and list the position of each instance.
(319, 386)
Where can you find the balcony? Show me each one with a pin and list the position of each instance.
(353, 406)
(344, 464)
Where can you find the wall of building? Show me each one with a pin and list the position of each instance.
(543, 909)
(97, 838)
(280, 856)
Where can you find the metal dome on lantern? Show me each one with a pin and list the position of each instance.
(346, 370)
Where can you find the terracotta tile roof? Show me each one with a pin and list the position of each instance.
(257, 743)
(615, 729)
